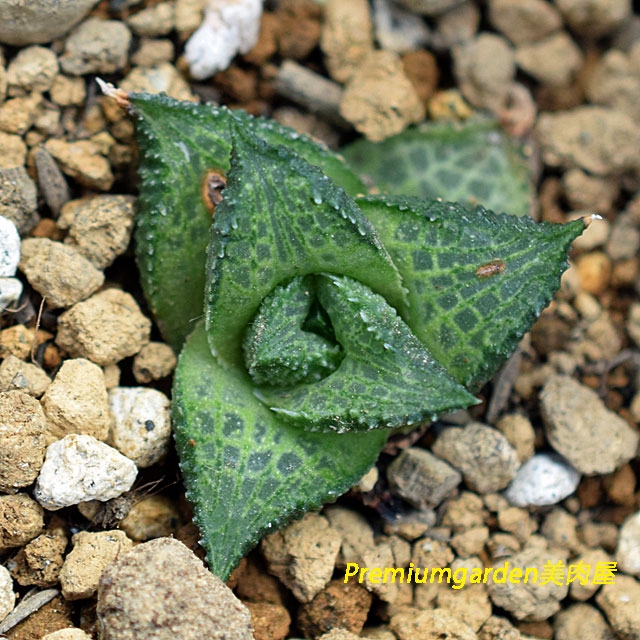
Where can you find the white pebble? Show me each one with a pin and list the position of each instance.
(142, 427)
(7, 595)
(9, 247)
(79, 468)
(628, 550)
(229, 27)
(397, 29)
(543, 480)
(10, 292)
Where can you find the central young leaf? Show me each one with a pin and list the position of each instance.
(280, 218)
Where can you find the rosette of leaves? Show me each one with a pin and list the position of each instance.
(318, 320)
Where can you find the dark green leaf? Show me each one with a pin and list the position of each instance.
(246, 472)
(471, 163)
(477, 280)
(280, 218)
(179, 142)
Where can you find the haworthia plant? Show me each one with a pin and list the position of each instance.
(472, 162)
(320, 320)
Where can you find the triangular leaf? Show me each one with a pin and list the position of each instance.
(246, 472)
(281, 217)
(477, 280)
(473, 163)
(179, 142)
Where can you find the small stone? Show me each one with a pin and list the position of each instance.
(560, 529)
(470, 603)
(380, 100)
(628, 550)
(19, 114)
(58, 272)
(599, 140)
(456, 26)
(470, 542)
(105, 328)
(347, 37)
(96, 46)
(79, 468)
(17, 375)
(18, 199)
(67, 634)
(82, 160)
(163, 78)
(157, 20)
(39, 21)
(269, 621)
(624, 240)
(414, 624)
(39, 562)
(33, 69)
(160, 590)
(633, 323)
(10, 292)
(497, 628)
(51, 181)
(430, 7)
(302, 555)
(14, 151)
(524, 21)
(355, 532)
(17, 341)
(22, 428)
(594, 271)
(338, 634)
(619, 601)
(614, 82)
(398, 30)
(485, 69)
(188, 16)
(142, 424)
(76, 401)
(151, 517)
(154, 361)
(422, 70)
(483, 455)
(9, 247)
(518, 430)
(7, 595)
(464, 512)
(421, 478)
(99, 228)
(594, 18)
(590, 558)
(153, 52)
(337, 605)
(21, 520)
(229, 27)
(68, 91)
(412, 525)
(554, 61)
(581, 621)
(590, 193)
(531, 601)
(578, 425)
(90, 556)
(542, 480)
(517, 522)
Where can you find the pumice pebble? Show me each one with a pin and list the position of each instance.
(9, 247)
(229, 27)
(79, 468)
(142, 425)
(543, 480)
